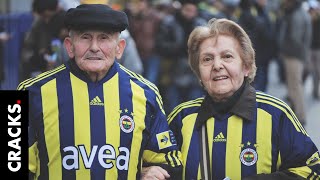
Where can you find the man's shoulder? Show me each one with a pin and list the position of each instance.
(39, 80)
(138, 79)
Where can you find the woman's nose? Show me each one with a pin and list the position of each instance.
(217, 64)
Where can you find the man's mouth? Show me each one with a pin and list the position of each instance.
(94, 58)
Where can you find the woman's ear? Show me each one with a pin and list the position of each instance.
(69, 47)
(120, 48)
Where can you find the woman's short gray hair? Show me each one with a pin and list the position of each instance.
(213, 29)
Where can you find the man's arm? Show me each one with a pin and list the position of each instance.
(162, 148)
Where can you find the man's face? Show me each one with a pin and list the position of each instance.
(94, 51)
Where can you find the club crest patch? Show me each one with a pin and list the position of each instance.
(248, 157)
(126, 124)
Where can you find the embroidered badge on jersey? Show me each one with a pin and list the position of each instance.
(248, 157)
(126, 124)
(166, 139)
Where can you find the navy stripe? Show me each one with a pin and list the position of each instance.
(127, 108)
(66, 119)
(219, 148)
(249, 141)
(98, 130)
(193, 157)
(275, 142)
(43, 153)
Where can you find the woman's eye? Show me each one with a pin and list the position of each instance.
(207, 59)
(228, 56)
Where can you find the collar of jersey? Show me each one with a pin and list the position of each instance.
(244, 107)
(74, 69)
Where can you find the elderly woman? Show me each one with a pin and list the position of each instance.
(236, 131)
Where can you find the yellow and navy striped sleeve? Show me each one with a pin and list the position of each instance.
(297, 152)
(182, 122)
(162, 148)
(34, 158)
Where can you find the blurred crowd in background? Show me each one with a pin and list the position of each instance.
(284, 31)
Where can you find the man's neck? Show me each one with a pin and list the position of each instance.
(95, 77)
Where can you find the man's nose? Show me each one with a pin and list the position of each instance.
(94, 47)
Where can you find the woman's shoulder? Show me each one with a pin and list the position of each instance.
(186, 108)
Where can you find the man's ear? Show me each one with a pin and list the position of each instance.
(120, 48)
(68, 45)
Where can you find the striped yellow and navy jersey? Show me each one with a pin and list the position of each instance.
(108, 129)
(260, 134)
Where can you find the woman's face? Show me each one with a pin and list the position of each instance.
(222, 70)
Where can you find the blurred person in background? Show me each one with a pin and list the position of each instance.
(171, 44)
(4, 37)
(314, 10)
(144, 22)
(42, 48)
(227, 9)
(130, 57)
(254, 19)
(295, 34)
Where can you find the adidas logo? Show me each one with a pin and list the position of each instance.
(96, 101)
(220, 138)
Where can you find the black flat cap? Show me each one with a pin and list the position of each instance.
(96, 16)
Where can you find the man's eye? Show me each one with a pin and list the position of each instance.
(85, 37)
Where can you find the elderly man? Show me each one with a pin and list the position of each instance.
(91, 118)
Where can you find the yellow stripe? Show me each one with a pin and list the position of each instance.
(199, 172)
(178, 158)
(210, 132)
(187, 129)
(82, 128)
(184, 107)
(27, 81)
(279, 161)
(233, 149)
(304, 171)
(112, 116)
(181, 106)
(155, 157)
(264, 136)
(51, 128)
(174, 158)
(33, 80)
(139, 109)
(283, 110)
(273, 99)
(33, 158)
(95, 100)
(149, 84)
